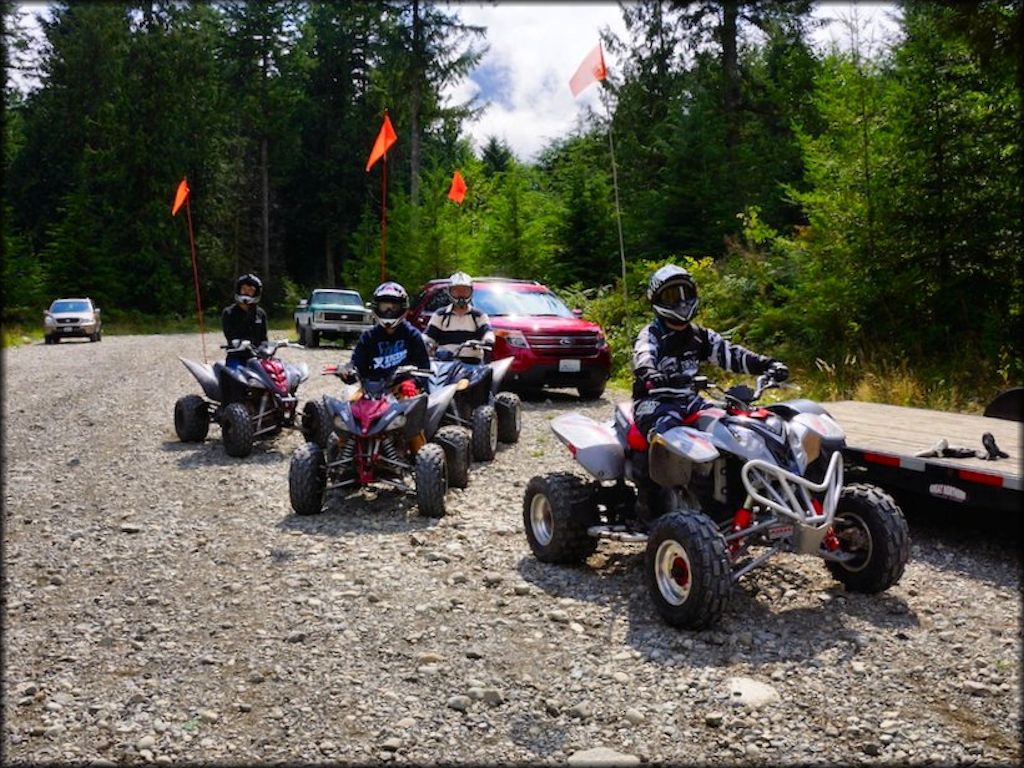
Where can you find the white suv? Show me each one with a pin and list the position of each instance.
(67, 318)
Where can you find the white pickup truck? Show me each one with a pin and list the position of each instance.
(331, 313)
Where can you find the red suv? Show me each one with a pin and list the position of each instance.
(551, 345)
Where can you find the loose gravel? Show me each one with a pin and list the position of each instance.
(163, 604)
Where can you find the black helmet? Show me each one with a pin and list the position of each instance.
(255, 282)
(394, 293)
(672, 292)
(463, 280)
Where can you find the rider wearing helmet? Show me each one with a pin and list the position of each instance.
(668, 352)
(451, 326)
(393, 340)
(244, 320)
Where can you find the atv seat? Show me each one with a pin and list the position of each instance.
(635, 439)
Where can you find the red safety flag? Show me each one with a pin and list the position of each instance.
(591, 70)
(458, 189)
(385, 139)
(179, 197)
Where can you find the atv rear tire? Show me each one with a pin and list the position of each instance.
(870, 523)
(431, 480)
(317, 425)
(687, 570)
(510, 416)
(191, 419)
(557, 510)
(457, 454)
(236, 430)
(307, 479)
(485, 433)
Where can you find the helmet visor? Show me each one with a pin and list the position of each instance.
(675, 294)
(389, 310)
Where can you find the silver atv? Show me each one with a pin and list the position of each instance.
(736, 484)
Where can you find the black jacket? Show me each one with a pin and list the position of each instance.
(690, 347)
(378, 352)
(247, 324)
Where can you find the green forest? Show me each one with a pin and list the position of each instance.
(856, 211)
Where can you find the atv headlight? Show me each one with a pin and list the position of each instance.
(398, 423)
(339, 423)
(804, 443)
(746, 438)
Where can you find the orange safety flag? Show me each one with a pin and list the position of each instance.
(458, 189)
(591, 70)
(179, 197)
(385, 139)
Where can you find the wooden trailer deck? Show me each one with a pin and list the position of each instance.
(885, 439)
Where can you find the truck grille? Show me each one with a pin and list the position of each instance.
(564, 344)
(347, 316)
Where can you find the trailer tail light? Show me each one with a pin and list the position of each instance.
(882, 458)
(981, 477)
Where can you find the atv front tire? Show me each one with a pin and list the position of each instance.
(317, 425)
(557, 510)
(431, 480)
(307, 479)
(871, 525)
(687, 570)
(485, 433)
(191, 419)
(457, 454)
(510, 416)
(236, 430)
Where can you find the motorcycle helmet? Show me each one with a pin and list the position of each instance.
(672, 292)
(460, 280)
(255, 282)
(389, 304)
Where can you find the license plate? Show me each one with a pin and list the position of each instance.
(68, 329)
(569, 366)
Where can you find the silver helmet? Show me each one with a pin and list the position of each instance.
(672, 292)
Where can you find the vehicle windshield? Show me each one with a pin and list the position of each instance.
(497, 301)
(70, 306)
(346, 298)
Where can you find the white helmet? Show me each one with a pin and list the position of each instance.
(248, 279)
(392, 293)
(465, 281)
(672, 292)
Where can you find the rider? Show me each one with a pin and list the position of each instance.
(243, 320)
(391, 342)
(460, 321)
(667, 354)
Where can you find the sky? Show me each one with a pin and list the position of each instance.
(535, 47)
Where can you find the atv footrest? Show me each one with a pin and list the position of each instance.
(616, 533)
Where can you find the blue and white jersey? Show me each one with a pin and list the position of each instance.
(378, 353)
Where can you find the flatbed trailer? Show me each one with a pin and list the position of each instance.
(883, 440)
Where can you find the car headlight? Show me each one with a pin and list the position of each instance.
(318, 317)
(602, 342)
(49, 321)
(514, 339)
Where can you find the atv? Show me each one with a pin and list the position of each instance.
(370, 435)
(489, 414)
(733, 486)
(254, 400)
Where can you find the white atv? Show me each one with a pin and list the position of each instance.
(733, 486)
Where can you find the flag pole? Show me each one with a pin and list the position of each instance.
(618, 212)
(384, 220)
(195, 274)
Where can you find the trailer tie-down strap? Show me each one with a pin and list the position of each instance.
(944, 449)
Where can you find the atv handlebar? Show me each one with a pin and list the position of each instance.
(264, 350)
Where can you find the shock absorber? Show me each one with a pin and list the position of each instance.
(348, 451)
(389, 451)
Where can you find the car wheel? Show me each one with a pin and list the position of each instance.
(591, 391)
(312, 338)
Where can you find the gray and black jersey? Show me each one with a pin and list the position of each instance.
(690, 347)
(449, 330)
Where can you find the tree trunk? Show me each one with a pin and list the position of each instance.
(730, 71)
(329, 257)
(415, 97)
(266, 208)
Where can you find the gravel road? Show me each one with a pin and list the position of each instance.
(162, 603)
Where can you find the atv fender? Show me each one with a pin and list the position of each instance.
(592, 444)
(498, 370)
(205, 376)
(437, 403)
(675, 454)
(297, 373)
